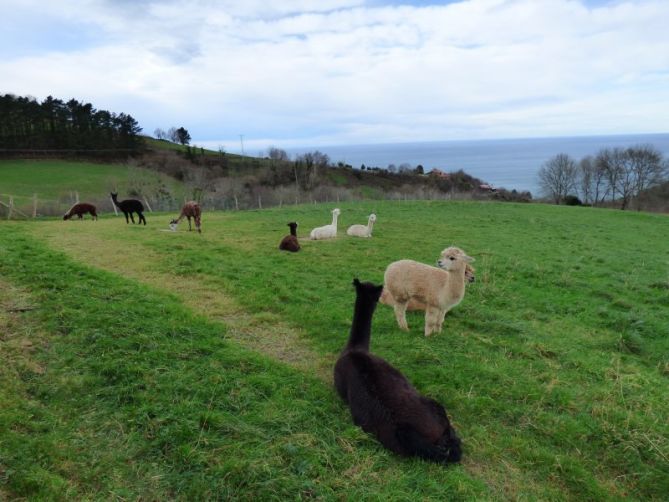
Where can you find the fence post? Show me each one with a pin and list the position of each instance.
(114, 206)
(34, 205)
(236, 203)
(76, 197)
(10, 207)
(147, 204)
(259, 202)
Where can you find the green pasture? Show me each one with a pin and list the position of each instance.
(139, 363)
(57, 180)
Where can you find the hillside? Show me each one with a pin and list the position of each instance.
(144, 364)
(56, 184)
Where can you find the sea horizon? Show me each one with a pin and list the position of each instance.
(511, 163)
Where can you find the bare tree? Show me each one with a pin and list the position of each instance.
(159, 133)
(557, 177)
(172, 135)
(277, 154)
(646, 165)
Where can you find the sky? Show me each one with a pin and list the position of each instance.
(329, 72)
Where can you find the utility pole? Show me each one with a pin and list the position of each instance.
(241, 140)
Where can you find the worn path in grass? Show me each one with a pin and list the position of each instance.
(263, 333)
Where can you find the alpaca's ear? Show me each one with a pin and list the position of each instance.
(468, 259)
(356, 282)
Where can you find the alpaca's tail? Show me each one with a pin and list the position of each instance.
(446, 449)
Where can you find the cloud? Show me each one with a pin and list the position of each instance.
(344, 71)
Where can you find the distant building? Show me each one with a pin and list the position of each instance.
(439, 173)
(487, 188)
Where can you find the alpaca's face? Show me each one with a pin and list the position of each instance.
(336, 212)
(372, 217)
(452, 258)
(66, 217)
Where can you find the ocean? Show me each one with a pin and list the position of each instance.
(508, 163)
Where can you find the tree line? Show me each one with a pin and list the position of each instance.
(180, 135)
(53, 124)
(615, 176)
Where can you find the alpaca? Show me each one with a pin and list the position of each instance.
(80, 209)
(414, 303)
(382, 401)
(289, 242)
(327, 231)
(362, 230)
(128, 207)
(440, 289)
(189, 210)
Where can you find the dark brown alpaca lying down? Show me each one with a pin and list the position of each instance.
(289, 242)
(381, 399)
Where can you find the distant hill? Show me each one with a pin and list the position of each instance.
(233, 181)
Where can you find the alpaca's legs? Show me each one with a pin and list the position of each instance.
(126, 218)
(189, 227)
(431, 321)
(141, 218)
(132, 218)
(400, 314)
(442, 315)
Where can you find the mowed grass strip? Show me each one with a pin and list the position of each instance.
(114, 390)
(554, 368)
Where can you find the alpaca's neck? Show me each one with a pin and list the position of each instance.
(361, 329)
(334, 219)
(293, 231)
(115, 201)
(370, 224)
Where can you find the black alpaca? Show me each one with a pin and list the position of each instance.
(382, 400)
(289, 242)
(128, 207)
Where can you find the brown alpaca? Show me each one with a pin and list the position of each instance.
(414, 304)
(289, 242)
(80, 209)
(190, 210)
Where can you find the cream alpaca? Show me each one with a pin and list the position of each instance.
(327, 231)
(440, 289)
(362, 230)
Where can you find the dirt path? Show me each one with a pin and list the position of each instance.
(263, 333)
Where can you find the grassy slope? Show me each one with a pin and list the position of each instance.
(554, 368)
(58, 178)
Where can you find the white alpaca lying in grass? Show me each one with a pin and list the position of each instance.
(438, 289)
(362, 230)
(327, 231)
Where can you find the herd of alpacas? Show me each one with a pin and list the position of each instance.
(381, 399)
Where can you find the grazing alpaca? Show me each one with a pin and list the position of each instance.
(414, 303)
(362, 230)
(190, 210)
(80, 209)
(381, 399)
(440, 289)
(289, 242)
(327, 231)
(128, 207)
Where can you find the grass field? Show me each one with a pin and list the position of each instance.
(144, 364)
(59, 179)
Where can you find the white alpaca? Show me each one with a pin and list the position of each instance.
(439, 289)
(362, 230)
(328, 231)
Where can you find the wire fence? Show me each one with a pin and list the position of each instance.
(36, 206)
